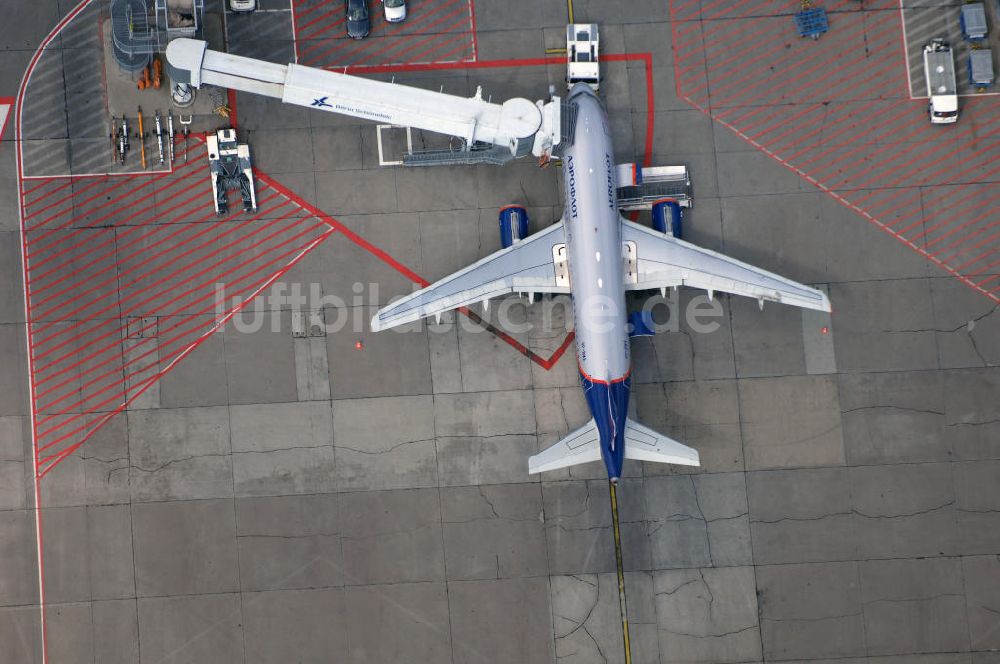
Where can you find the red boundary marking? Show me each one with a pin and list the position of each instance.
(474, 42)
(886, 227)
(11, 102)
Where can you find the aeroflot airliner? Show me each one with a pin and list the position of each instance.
(592, 253)
(589, 253)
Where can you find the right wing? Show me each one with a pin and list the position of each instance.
(526, 267)
(664, 262)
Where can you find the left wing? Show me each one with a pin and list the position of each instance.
(528, 266)
(663, 261)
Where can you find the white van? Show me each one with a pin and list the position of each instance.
(939, 68)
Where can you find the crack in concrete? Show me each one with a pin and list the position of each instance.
(156, 469)
(892, 407)
(387, 450)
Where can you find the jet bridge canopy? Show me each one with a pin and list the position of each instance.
(517, 124)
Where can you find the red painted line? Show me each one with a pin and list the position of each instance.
(305, 26)
(393, 44)
(969, 236)
(474, 30)
(419, 56)
(778, 77)
(69, 197)
(115, 305)
(347, 55)
(921, 165)
(116, 276)
(952, 215)
(751, 37)
(54, 460)
(460, 47)
(896, 154)
(72, 218)
(116, 248)
(114, 347)
(949, 181)
(119, 371)
(984, 269)
(106, 402)
(855, 118)
(69, 181)
(117, 331)
(97, 222)
(303, 12)
(358, 46)
(953, 210)
(857, 141)
(722, 40)
(989, 252)
(794, 128)
(946, 155)
(985, 177)
(953, 206)
(43, 183)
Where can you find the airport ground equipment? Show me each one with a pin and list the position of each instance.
(142, 140)
(229, 161)
(981, 67)
(668, 217)
(939, 69)
(517, 125)
(186, 124)
(170, 137)
(513, 225)
(811, 21)
(973, 20)
(159, 136)
(119, 139)
(583, 48)
(641, 188)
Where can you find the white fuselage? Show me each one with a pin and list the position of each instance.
(593, 243)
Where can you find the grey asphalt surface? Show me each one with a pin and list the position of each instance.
(286, 497)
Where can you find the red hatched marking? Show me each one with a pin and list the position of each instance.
(435, 32)
(838, 113)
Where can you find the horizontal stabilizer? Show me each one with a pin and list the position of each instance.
(644, 444)
(581, 446)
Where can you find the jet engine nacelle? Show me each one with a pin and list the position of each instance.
(667, 217)
(513, 225)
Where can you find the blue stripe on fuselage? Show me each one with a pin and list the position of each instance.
(608, 403)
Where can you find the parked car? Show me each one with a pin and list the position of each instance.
(395, 10)
(242, 6)
(358, 22)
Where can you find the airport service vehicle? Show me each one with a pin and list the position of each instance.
(583, 48)
(981, 67)
(242, 6)
(229, 161)
(939, 68)
(973, 20)
(592, 253)
(395, 10)
(358, 21)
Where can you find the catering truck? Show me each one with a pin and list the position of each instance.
(939, 67)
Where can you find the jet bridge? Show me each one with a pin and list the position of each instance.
(517, 125)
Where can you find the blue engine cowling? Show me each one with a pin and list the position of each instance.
(513, 225)
(667, 217)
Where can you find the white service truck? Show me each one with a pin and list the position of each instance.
(939, 67)
(583, 48)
